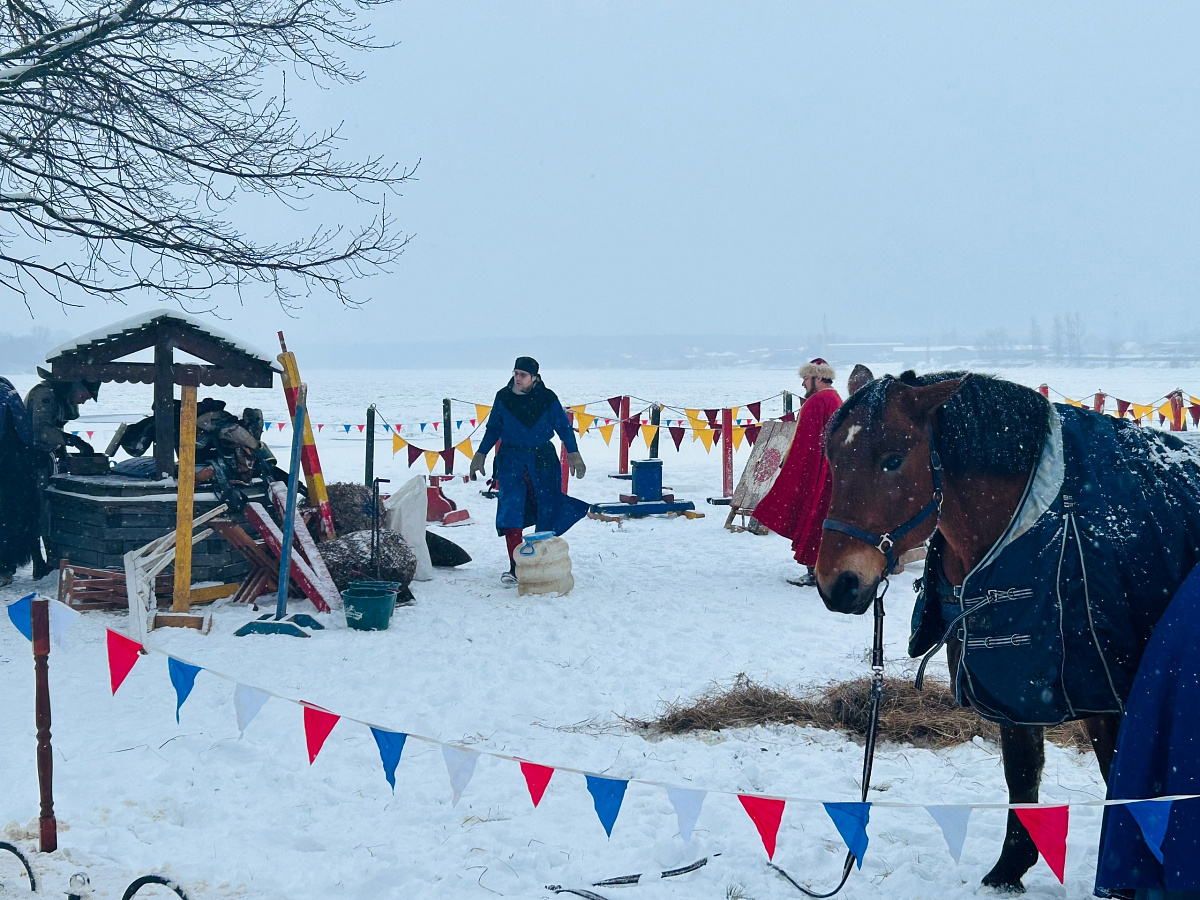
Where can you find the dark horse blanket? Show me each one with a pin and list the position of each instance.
(1107, 531)
(19, 503)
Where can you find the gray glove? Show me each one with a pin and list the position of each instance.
(575, 461)
(477, 462)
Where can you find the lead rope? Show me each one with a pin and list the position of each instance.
(869, 749)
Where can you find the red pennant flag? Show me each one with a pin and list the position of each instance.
(755, 410)
(317, 725)
(1122, 408)
(1194, 411)
(122, 654)
(752, 433)
(676, 435)
(615, 403)
(790, 417)
(414, 453)
(1047, 826)
(397, 427)
(320, 426)
(629, 430)
(536, 779)
(766, 814)
(281, 426)
(472, 424)
(716, 435)
(712, 416)
(90, 433)
(435, 426)
(448, 458)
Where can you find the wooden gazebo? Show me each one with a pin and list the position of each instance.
(226, 362)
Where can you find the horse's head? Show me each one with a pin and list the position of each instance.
(879, 451)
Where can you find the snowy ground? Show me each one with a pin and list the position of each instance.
(661, 610)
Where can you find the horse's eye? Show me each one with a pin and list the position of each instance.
(891, 462)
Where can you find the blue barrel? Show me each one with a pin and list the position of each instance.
(647, 479)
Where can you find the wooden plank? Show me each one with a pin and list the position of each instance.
(308, 548)
(181, 596)
(298, 569)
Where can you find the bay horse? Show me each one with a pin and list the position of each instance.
(1057, 538)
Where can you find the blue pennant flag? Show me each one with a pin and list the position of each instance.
(391, 745)
(1152, 817)
(850, 820)
(347, 427)
(183, 676)
(458, 423)
(21, 615)
(422, 426)
(607, 794)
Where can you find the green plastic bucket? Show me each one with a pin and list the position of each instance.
(368, 608)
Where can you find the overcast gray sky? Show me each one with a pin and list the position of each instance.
(597, 168)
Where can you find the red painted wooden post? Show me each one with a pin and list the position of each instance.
(562, 456)
(623, 467)
(1177, 411)
(1098, 402)
(1044, 390)
(40, 616)
(727, 453)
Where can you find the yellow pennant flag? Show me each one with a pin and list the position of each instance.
(464, 447)
(481, 412)
(582, 421)
(1068, 400)
(579, 410)
(733, 413)
(431, 458)
(606, 433)
(1165, 410)
(706, 436)
(694, 417)
(1195, 400)
(1140, 411)
(648, 433)
(398, 444)
(739, 432)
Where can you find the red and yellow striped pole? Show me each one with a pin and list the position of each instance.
(317, 494)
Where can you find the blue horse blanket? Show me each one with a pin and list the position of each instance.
(12, 409)
(1158, 754)
(1054, 619)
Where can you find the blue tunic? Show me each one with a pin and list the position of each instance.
(527, 467)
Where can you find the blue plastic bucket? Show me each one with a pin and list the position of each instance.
(369, 605)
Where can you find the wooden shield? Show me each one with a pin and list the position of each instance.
(763, 466)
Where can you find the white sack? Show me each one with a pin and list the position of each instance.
(406, 511)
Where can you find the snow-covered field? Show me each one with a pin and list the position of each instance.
(662, 609)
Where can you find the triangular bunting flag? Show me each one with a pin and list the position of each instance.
(629, 430)
(1141, 410)
(20, 613)
(448, 458)
(361, 428)
(676, 435)
(1122, 408)
(694, 419)
(607, 795)
(766, 814)
(398, 444)
(1165, 410)
(423, 426)
(536, 779)
(1070, 402)
(606, 433)
(183, 677)
(319, 427)
(266, 426)
(472, 423)
(464, 447)
(89, 434)
(711, 415)
(460, 764)
(755, 410)
(435, 426)
(851, 819)
(317, 725)
(739, 432)
(615, 403)
(62, 617)
(247, 701)
(458, 423)
(583, 422)
(1047, 826)
(281, 424)
(733, 411)
(431, 458)
(788, 417)
(397, 427)
(481, 412)
(648, 434)
(1152, 817)
(953, 822)
(122, 654)
(752, 433)
(706, 436)
(1194, 412)
(414, 453)
(347, 427)
(391, 745)
(687, 805)
(717, 435)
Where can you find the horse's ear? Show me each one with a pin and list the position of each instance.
(925, 400)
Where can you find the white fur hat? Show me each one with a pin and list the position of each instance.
(817, 368)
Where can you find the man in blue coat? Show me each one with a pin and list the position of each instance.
(525, 416)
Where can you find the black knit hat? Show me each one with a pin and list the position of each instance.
(526, 364)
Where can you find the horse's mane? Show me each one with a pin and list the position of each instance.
(991, 426)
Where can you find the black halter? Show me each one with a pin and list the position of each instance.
(886, 543)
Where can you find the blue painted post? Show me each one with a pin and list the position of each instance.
(289, 518)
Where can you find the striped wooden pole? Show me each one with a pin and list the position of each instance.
(317, 495)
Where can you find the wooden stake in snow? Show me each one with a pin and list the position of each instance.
(181, 601)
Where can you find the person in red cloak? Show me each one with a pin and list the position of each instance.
(798, 502)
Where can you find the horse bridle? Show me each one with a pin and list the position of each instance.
(886, 543)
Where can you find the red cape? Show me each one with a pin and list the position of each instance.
(798, 502)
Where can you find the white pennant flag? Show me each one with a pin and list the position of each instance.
(953, 822)
(62, 617)
(460, 764)
(247, 701)
(687, 805)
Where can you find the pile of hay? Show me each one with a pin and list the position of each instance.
(929, 718)
(351, 506)
(349, 559)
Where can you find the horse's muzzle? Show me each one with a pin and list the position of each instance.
(848, 594)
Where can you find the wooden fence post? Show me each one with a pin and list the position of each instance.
(655, 420)
(447, 437)
(623, 459)
(181, 600)
(40, 620)
(369, 472)
(727, 453)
